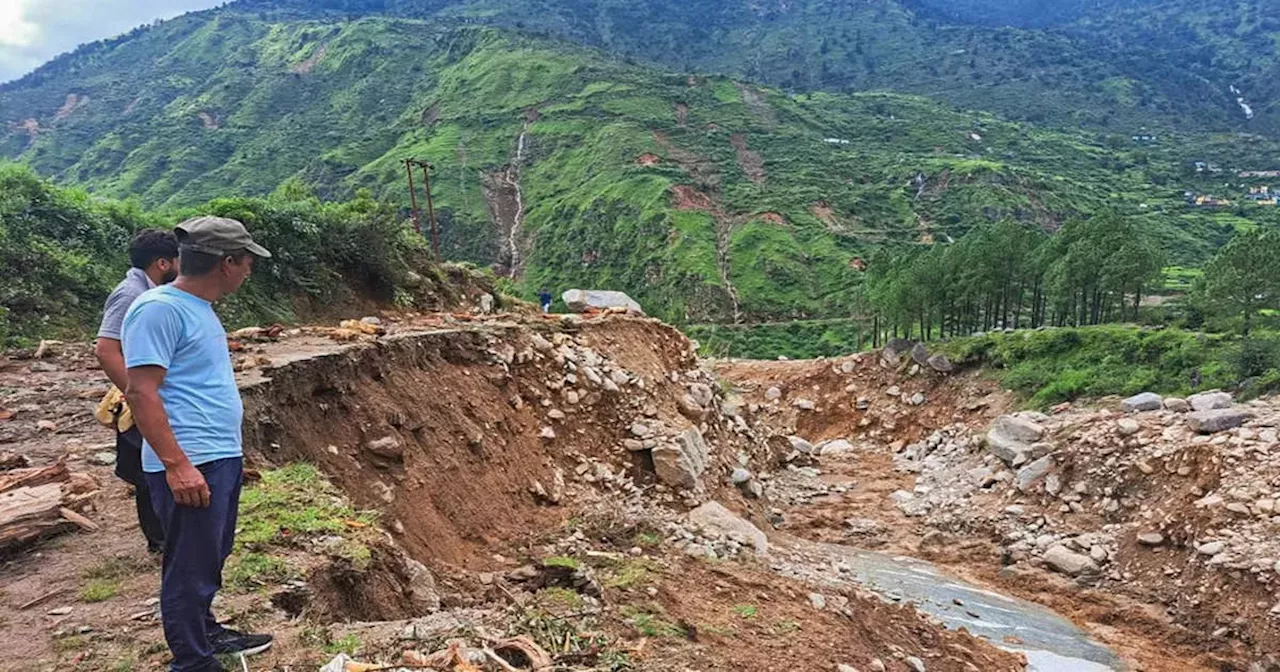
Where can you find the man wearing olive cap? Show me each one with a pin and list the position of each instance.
(184, 398)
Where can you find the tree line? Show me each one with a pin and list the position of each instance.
(1012, 275)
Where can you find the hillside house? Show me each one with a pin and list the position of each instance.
(1263, 195)
(1259, 173)
(1206, 167)
(1210, 201)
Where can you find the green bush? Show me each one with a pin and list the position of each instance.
(61, 253)
(1056, 365)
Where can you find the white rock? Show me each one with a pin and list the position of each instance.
(714, 516)
(1208, 401)
(1128, 427)
(773, 394)
(1147, 401)
(1068, 562)
(1211, 548)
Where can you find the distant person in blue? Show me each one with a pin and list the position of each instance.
(153, 260)
(544, 297)
(184, 398)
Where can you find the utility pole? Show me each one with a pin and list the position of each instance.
(409, 163)
(431, 209)
(413, 196)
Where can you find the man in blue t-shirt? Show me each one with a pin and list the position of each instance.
(184, 398)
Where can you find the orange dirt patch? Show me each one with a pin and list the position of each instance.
(72, 103)
(688, 198)
(29, 126)
(648, 160)
(773, 218)
(750, 161)
(305, 67)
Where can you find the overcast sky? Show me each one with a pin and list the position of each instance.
(34, 31)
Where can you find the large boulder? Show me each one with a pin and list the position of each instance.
(582, 300)
(1209, 401)
(941, 364)
(1033, 474)
(1064, 560)
(894, 350)
(1016, 439)
(1147, 401)
(713, 516)
(920, 354)
(680, 464)
(1218, 420)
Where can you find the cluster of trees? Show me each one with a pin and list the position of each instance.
(61, 252)
(1013, 275)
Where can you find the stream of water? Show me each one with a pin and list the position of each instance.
(1050, 642)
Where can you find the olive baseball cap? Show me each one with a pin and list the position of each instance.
(217, 235)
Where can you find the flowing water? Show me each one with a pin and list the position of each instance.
(1050, 642)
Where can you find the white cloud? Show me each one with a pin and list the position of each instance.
(34, 31)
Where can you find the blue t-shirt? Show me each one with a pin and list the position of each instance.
(178, 331)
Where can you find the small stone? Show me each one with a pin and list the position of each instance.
(555, 414)
(1150, 538)
(877, 665)
(1211, 548)
(1176, 405)
(802, 446)
(1069, 562)
(1128, 427)
(917, 399)
(773, 394)
(104, 458)
(633, 445)
(740, 476)
(845, 668)
(804, 404)
(818, 601)
(836, 447)
(915, 664)
(60, 611)
(893, 391)
(640, 430)
(547, 433)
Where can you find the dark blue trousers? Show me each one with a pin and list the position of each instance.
(196, 545)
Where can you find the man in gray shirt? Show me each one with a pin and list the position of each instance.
(153, 256)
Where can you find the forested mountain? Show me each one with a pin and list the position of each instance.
(1113, 64)
(710, 197)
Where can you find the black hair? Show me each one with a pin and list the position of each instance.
(148, 245)
(194, 264)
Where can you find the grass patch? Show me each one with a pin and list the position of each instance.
(629, 574)
(746, 611)
(251, 570)
(292, 502)
(648, 539)
(651, 621)
(561, 561)
(99, 590)
(558, 600)
(348, 644)
(104, 579)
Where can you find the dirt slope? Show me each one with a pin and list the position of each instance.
(541, 470)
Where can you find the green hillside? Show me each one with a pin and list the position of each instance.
(706, 197)
(1117, 65)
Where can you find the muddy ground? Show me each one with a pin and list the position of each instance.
(475, 478)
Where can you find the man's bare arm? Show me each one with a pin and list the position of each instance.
(143, 394)
(111, 356)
